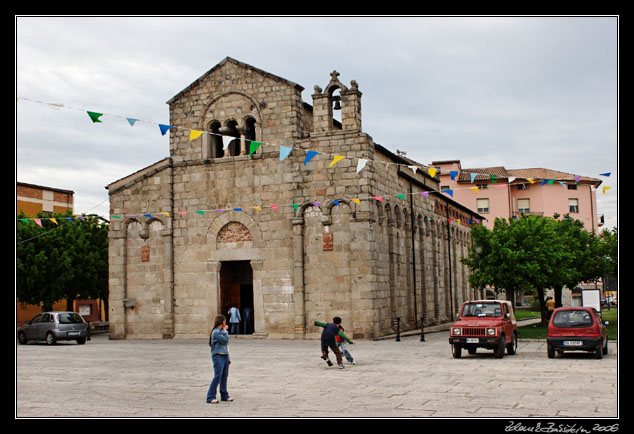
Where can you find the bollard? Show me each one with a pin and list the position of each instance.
(422, 331)
(398, 329)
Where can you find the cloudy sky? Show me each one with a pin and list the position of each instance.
(518, 92)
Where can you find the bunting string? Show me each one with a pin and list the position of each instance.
(285, 151)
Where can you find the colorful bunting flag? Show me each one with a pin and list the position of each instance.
(95, 116)
(295, 206)
(253, 146)
(606, 188)
(132, 121)
(605, 174)
(164, 128)
(453, 174)
(431, 171)
(38, 221)
(335, 160)
(379, 198)
(309, 156)
(474, 189)
(449, 192)
(400, 196)
(284, 151)
(357, 201)
(473, 176)
(361, 164)
(194, 134)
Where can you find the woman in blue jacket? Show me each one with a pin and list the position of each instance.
(219, 343)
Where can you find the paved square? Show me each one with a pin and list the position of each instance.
(287, 378)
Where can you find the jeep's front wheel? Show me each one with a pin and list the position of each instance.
(499, 351)
(511, 348)
(456, 350)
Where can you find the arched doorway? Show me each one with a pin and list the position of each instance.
(236, 290)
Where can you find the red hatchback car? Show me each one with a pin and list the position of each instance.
(577, 329)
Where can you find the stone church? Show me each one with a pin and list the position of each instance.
(222, 223)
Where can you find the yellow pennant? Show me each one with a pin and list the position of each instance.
(194, 134)
(531, 180)
(474, 189)
(606, 189)
(337, 159)
(53, 220)
(257, 207)
(432, 171)
(357, 201)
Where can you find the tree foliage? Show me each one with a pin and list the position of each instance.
(535, 253)
(62, 261)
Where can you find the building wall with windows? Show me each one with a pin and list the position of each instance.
(500, 192)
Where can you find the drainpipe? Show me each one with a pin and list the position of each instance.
(412, 220)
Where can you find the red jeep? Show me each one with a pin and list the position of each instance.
(486, 324)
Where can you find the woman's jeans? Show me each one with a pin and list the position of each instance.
(221, 372)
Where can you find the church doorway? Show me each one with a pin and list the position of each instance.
(236, 290)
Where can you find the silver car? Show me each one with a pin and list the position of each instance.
(54, 326)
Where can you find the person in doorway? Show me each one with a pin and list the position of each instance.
(550, 306)
(219, 343)
(342, 345)
(247, 318)
(328, 340)
(234, 319)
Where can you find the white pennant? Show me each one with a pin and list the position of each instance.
(361, 164)
(225, 141)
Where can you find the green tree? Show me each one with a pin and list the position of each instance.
(61, 261)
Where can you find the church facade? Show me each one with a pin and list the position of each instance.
(269, 203)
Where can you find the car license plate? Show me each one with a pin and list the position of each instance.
(573, 343)
(473, 340)
(73, 333)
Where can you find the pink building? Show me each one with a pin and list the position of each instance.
(498, 192)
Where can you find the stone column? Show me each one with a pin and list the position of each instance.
(298, 277)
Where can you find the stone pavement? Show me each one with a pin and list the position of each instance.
(287, 378)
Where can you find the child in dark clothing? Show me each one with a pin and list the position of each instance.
(328, 340)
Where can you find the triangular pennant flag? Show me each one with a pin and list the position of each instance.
(336, 202)
(511, 179)
(200, 212)
(531, 180)
(95, 116)
(309, 156)
(147, 215)
(166, 214)
(473, 176)
(164, 128)
(432, 171)
(474, 189)
(39, 222)
(606, 188)
(295, 206)
(543, 182)
(492, 178)
(400, 196)
(562, 184)
(237, 209)
(453, 174)
(414, 168)
(379, 198)
(257, 207)
(253, 146)
(425, 193)
(361, 164)
(357, 201)
(449, 192)
(116, 217)
(53, 220)
(132, 121)
(551, 181)
(274, 207)
(194, 134)
(284, 151)
(225, 141)
(335, 160)
(605, 174)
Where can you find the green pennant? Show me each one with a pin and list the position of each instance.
(201, 212)
(401, 196)
(492, 178)
(294, 205)
(254, 147)
(95, 116)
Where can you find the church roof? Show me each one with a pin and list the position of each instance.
(242, 64)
